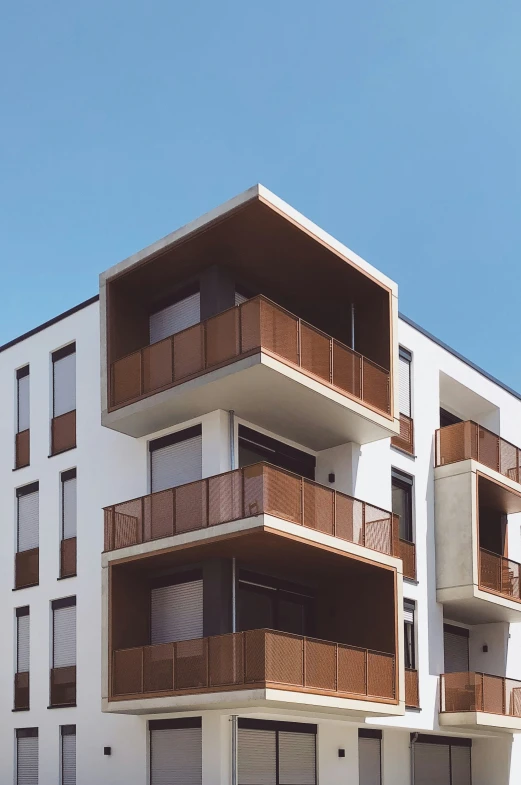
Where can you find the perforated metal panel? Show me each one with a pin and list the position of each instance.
(23, 403)
(297, 758)
(69, 759)
(28, 512)
(257, 757)
(404, 394)
(64, 382)
(27, 760)
(177, 612)
(22, 643)
(176, 756)
(369, 761)
(179, 316)
(69, 508)
(64, 637)
(177, 464)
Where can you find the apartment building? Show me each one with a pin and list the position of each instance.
(257, 527)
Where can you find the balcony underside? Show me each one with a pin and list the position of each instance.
(480, 720)
(265, 391)
(471, 605)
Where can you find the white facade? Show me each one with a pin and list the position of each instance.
(112, 467)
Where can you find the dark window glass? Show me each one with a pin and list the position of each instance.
(268, 606)
(255, 447)
(446, 418)
(402, 503)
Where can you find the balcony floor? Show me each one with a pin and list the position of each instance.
(480, 720)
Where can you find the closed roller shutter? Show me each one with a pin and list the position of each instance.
(28, 512)
(64, 637)
(240, 298)
(177, 612)
(22, 644)
(456, 649)
(27, 760)
(69, 508)
(460, 760)
(297, 758)
(405, 386)
(64, 380)
(369, 761)
(176, 317)
(23, 402)
(176, 756)
(431, 764)
(68, 756)
(257, 757)
(177, 464)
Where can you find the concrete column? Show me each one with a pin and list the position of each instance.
(217, 288)
(216, 748)
(396, 758)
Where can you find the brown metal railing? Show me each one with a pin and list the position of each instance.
(460, 692)
(254, 490)
(405, 440)
(63, 432)
(406, 551)
(68, 557)
(63, 686)
(258, 324)
(26, 568)
(466, 440)
(257, 658)
(22, 449)
(21, 690)
(412, 695)
(499, 575)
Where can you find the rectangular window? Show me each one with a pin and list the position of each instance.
(68, 524)
(176, 752)
(21, 679)
(276, 753)
(402, 486)
(63, 427)
(68, 754)
(404, 397)
(27, 756)
(441, 759)
(177, 611)
(22, 439)
(63, 673)
(456, 649)
(28, 500)
(178, 316)
(176, 459)
(266, 603)
(369, 756)
(409, 611)
(255, 447)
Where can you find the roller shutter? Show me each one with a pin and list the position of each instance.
(176, 756)
(404, 398)
(22, 643)
(257, 757)
(23, 399)
(28, 515)
(460, 760)
(64, 384)
(456, 650)
(177, 464)
(442, 762)
(240, 298)
(64, 636)
(68, 755)
(369, 761)
(69, 506)
(297, 758)
(177, 612)
(27, 757)
(179, 316)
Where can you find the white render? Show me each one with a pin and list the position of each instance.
(112, 466)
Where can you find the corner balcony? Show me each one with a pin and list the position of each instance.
(257, 495)
(256, 665)
(474, 497)
(266, 364)
(479, 701)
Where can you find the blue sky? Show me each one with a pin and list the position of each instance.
(394, 125)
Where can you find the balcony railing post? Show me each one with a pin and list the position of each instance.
(299, 342)
(302, 501)
(141, 374)
(366, 663)
(204, 344)
(172, 357)
(363, 523)
(331, 361)
(361, 364)
(142, 669)
(304, 678)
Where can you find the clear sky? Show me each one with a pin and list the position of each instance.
(394, 125)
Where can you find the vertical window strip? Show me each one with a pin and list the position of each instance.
(69, 504)
(22, 402)
(64, 380)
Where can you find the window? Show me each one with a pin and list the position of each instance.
(21, 681)
(27, 756)
(447, 418)
(176, 459)
(176, 751)
(177, 610)
(276, 753)
(63, 426)
(255, 447)
(441, 759)
(402, 485)
(68, 754)
(27, 536)
(265, 603)
(404, 396)
(456, 649)
(409, 611)
(63, 674)
(178, 316)
(68, 524)
(22, 418)
(369, 756)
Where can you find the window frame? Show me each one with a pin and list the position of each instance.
(405, 482)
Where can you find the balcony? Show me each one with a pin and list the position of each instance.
(476, 581)
(322, 377)
(257, 490)
(480, 701)
(470, 441)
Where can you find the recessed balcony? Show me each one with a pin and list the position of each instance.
(479, 701)
(280, 326)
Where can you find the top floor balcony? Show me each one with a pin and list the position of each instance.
(251, 308)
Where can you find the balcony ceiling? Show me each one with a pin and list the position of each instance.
(498, 497)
